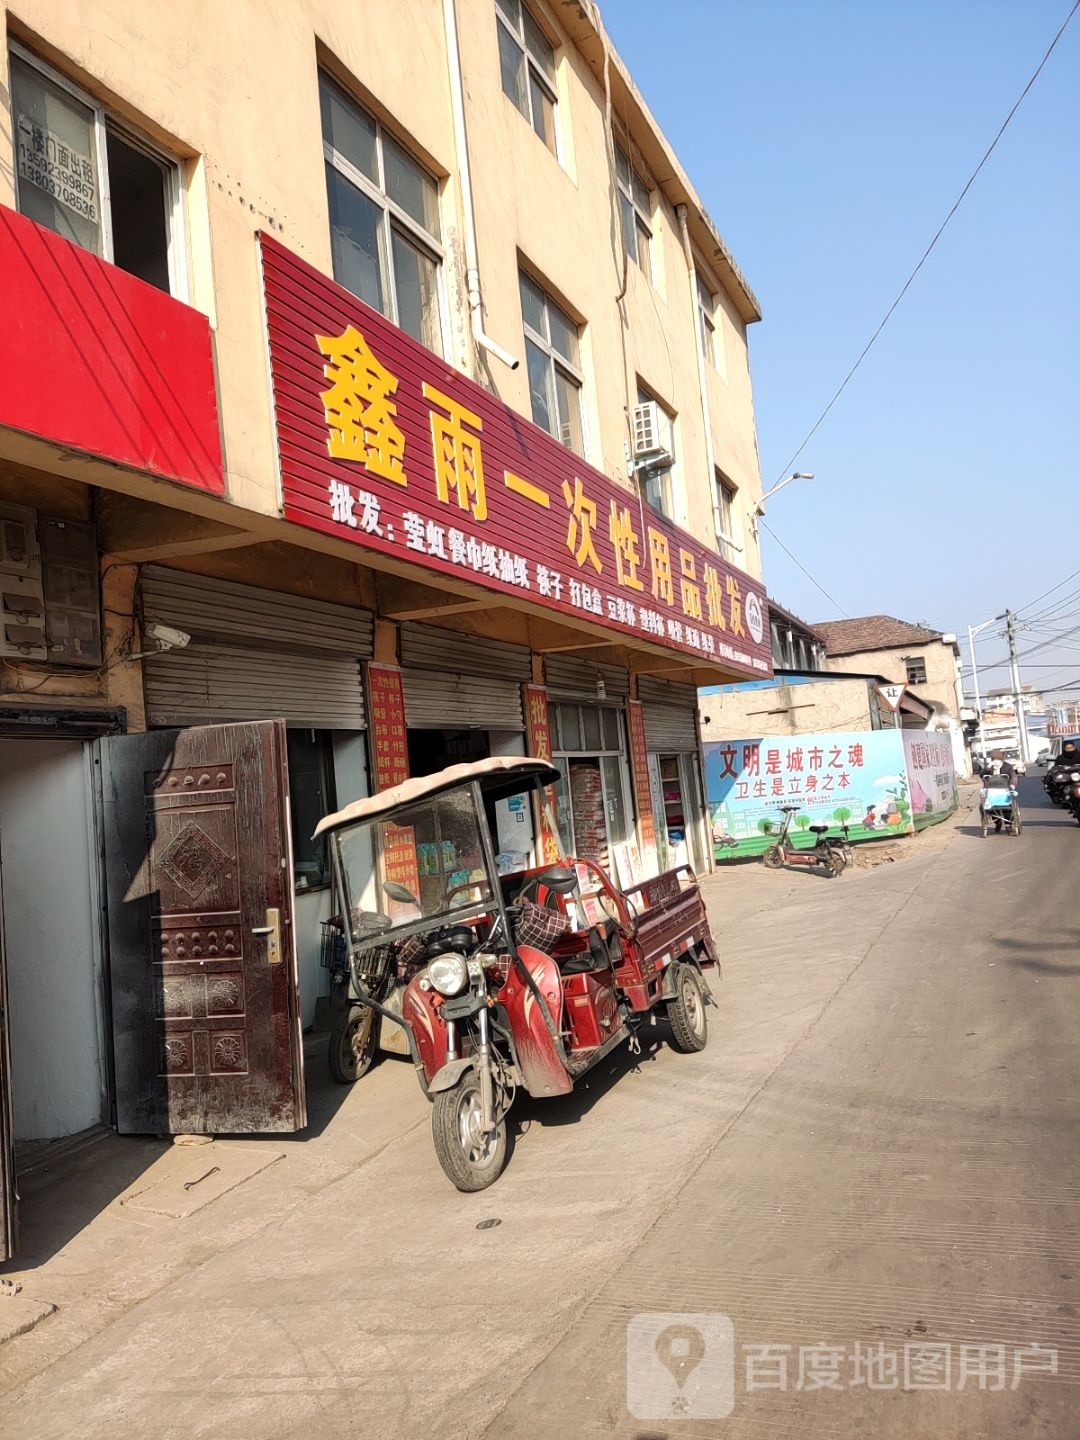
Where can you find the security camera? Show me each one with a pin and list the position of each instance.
(167, 638)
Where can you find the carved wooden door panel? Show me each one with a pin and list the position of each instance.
(202, 960)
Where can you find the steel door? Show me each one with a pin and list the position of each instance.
(202, 960)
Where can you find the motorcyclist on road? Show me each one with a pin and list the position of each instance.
(1055, 778)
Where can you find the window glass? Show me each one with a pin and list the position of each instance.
(532, 305)
(310, 798)
(55, 157)
(553, 726)
(410, 187)
(568, 401)
(618, 827)
(570, 727)
(354, 240)
(612, 735)
(415, 276)
(348, 129)
(629, 225)
(540, 386)
(139, 215)
(563, 331)
(512, 70)
(543, 112)
(591, 716)
(539, 47)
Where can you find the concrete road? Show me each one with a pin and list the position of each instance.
(872, 1171)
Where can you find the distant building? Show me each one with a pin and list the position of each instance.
(905, 654)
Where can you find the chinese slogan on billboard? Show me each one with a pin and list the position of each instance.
(382, 442)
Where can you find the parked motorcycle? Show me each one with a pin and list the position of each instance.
(1070, 783)
(828, 853)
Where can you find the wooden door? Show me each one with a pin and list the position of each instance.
(202, 959)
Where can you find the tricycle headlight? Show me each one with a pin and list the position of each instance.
(449, 974)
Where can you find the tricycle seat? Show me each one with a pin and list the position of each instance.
(583, 951)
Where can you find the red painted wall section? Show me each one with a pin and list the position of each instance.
(95, 360)
(384, 444)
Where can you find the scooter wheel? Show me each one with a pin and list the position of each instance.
(470, 1159)
(351, 1052)
(686, 1012)
(773, 858)
(837, 863)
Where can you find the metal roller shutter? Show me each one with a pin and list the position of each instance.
(254, 654)
(570, 675)
(429, 647)
(438, 700)
(670, 714)
(668, 730)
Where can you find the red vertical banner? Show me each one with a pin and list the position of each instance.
(538, 742)
(390, 766)
(386, 726)
(639, 768)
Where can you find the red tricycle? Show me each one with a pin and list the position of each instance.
(513, 981)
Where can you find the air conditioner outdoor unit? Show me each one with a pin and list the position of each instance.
(652, 430)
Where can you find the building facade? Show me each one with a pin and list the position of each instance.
(388, 379)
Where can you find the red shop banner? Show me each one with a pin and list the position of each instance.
(384, 443)
(639, 768)
(538, 741)
(386, 726)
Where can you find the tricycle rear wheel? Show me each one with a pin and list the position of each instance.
(686, 1012)
(470, 1159)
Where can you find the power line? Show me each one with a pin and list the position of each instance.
(926, 255)
(798, 562)
(1045, 593)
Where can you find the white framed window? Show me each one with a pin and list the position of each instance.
(659, 486)
(725, 509)
(635, 203)
(706, 304)
(527, 67)
(384, 218)
(83, 173)
(553, 364)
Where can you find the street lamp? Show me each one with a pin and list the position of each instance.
(759, 509)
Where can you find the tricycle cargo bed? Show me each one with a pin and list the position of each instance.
(671, 918)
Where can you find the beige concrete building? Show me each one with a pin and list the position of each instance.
(373, 369)
(904, 654)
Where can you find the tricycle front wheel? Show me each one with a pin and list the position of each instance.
(351, 1052)
(470, 1159)
(686, 1012)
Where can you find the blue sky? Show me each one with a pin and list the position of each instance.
(828, 141)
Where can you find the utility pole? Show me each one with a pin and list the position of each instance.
(1018, 698)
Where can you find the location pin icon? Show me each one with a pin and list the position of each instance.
(680, 1349)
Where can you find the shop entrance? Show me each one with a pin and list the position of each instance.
(589, 748)
(677, 793)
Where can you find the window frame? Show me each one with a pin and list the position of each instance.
(533, 70)
(706, 308)
(643, 219)
(665, 478)
(917, 663)
(557, 361)
(106, 120)
(392, 213)
(726, 496)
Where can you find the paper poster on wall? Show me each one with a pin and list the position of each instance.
(852, 779)
(931, 775)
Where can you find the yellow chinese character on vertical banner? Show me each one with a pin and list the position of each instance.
(579, 532)
(359, 407)
(660, 561)
(714, 597)
(459, 466)
(624, 538)
(735, 606)
(690, 590)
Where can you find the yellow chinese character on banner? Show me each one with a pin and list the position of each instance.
(714, 597)
(459, 465)
(359, 407)
(625, 540)
(690, 590)
(579, 532)
(660, 562)
(735, 606)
